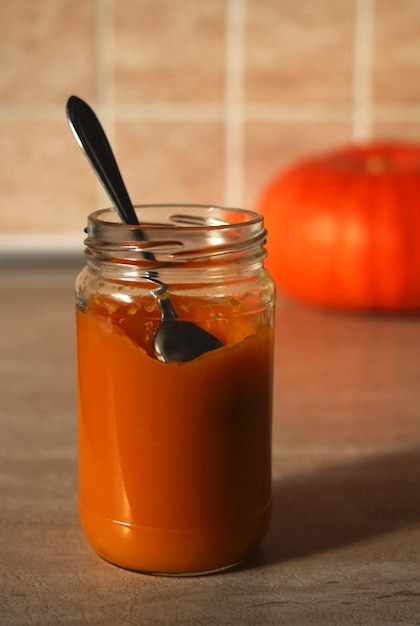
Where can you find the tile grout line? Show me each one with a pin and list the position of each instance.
(234, 139)
(157, 112)
(15, 244)
(362, 73)
(290, 113)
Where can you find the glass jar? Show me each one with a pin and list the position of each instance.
(175, 457)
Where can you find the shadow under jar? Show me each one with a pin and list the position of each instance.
(175, 458)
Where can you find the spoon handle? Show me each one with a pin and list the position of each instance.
(93, 141)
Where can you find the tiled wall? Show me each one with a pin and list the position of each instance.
(203, 100)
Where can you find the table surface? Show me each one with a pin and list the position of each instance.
(344, 542)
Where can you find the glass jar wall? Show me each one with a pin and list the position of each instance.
(175, 457)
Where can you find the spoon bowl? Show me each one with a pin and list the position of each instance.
(175, 340)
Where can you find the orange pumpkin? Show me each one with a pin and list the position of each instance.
(344, 228)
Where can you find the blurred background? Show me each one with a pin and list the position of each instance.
(203, 101)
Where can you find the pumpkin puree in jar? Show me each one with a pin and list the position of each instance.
(174, 458)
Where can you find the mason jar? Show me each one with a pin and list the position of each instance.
(175, 454)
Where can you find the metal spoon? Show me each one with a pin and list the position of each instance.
(175, 340)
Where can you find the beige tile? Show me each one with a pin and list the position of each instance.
(397, 131)
(46, 51)
(45, 182)
(165, 58)
(396, 51)
(166, 50)
(172, 161)
(273, 146)
(299, 52)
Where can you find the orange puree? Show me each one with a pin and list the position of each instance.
(174, 459)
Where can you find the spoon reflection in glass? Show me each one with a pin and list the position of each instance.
(175, 340)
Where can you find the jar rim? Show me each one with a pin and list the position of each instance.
(180, 221)
(188, 235)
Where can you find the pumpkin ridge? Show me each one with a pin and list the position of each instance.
(358, 286)
(388, 247)
(402, 184)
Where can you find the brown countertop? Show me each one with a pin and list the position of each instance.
(344, 543)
